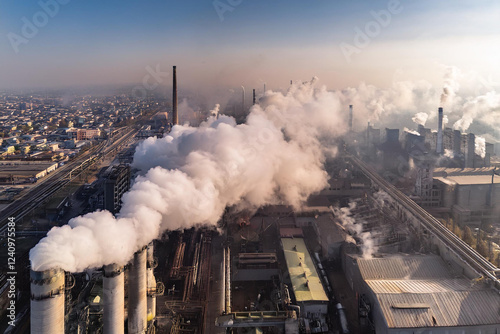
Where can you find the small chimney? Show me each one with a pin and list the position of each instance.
(175, 115)
(254, 96)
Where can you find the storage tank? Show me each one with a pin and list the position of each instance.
(137, 286)
(47, 301)
(113, 282)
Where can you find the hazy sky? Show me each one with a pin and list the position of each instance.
(245, 42)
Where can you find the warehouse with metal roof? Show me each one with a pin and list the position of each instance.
(423, 294)
(306, 284)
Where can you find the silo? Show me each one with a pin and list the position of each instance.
(47, 301)
(113, 282)
(137, 285)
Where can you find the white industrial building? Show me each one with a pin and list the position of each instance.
(423, 294)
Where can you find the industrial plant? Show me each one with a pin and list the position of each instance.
(250, 167)
(371, 239)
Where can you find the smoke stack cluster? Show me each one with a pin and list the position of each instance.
(175, 115)
(47, 301)
(439, 146)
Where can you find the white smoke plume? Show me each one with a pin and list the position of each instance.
(190, 176)
(480, 146)
(485, 107)
(449, 153)
(355, 227)
(450, 85)
(215, 111)
(186, 113)
(420, 118)
(413, 132)
(445, 120)
(381, 197)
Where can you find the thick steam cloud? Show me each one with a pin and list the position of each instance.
(190, 176)
(420, 118)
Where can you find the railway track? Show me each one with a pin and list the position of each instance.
(61, 177)
(450, 239)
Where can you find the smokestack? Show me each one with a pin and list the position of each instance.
(113, 283)
(175, 115)
(228, 280)
(243, 99)
(47, 301)
(253, 96)
(264, 88)
(137, 285)
(151, 299)
(350, 117)
(439, 146)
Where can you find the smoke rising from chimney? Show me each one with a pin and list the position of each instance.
(450, 85)
(480, 146)
(420, 118)
(190, 176)
(355, 227)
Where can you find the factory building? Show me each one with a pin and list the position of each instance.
(306, 284)
(17, 171)
(116, 184)
(421, 294)
(468, 193)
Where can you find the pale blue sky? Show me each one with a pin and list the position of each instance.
(112, 42)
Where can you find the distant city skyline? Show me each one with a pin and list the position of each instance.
(229, 43)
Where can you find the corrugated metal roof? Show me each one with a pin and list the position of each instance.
(418, 291)
(446, 309)
(403, 267)
(468, 179)
(301, 269)
(463, 171)
(422, 286)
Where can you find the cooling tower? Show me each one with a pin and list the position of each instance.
(137, 285)
(113, 282)
(151, 293)
(439, 145)
(47, 301)
(175, 115)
